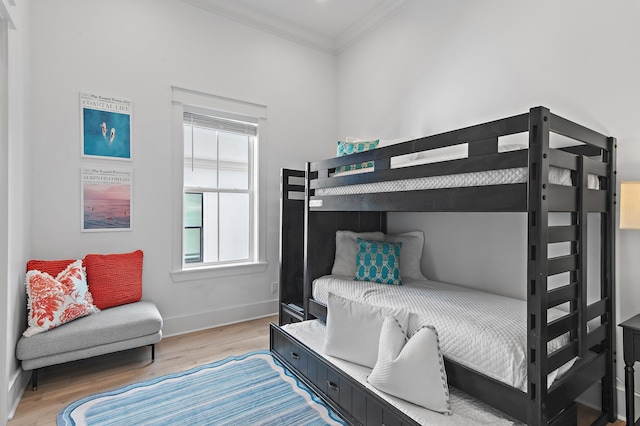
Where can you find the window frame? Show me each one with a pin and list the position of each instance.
(248, 131)
(207, 104)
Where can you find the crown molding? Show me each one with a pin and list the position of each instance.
(368, 23)
(270, 24)
(299, 34)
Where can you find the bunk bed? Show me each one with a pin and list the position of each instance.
(360, 201)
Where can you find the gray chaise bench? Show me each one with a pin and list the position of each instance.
(110, 330)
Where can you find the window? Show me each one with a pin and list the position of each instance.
(219, 186)
(218, 189)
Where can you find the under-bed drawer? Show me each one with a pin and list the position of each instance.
(341, 392)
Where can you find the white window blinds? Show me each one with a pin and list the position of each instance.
(222, 124)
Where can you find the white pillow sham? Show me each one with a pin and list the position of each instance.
(353, 329)
(410, 254)
(347, 248)
(412, 370)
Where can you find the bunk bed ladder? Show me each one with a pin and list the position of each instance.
(594, 348)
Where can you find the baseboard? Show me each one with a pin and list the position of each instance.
(205, 320)
(17, 385)
(591, 398)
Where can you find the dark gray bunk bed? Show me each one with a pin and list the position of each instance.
(308, 228)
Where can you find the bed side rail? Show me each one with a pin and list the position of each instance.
(482, 140)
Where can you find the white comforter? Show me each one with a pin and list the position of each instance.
(483, 331)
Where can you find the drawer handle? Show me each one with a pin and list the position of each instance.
(295, 356)
(333, 386)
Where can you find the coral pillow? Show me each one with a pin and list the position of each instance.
(55, 301)
(51, 267)
(114, 279)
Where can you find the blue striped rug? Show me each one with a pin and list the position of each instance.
(251, 389)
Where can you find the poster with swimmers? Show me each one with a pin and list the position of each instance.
(106, 199)
(105, 127)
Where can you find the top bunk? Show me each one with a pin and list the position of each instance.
(533, 161)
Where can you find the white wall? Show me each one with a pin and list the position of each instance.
(15, 186)
(138, 50)
(438, 66)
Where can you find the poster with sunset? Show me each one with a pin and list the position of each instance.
(106, 199)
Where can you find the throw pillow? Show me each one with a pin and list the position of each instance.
(353, 329)
(412, 370)
(114, 279)
(51, 267)
(52, 301)
(378, 262)
(411, 254)
(346, 148)
(347, 248)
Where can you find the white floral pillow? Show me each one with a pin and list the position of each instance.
(55, 301)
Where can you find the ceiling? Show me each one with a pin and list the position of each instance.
(327, 25)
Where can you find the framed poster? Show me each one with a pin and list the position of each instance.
(105, 127)
(106, 199)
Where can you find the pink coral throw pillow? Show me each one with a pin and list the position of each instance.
(55, 301)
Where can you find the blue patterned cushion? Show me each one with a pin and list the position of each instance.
(346, 148)
(378, 261)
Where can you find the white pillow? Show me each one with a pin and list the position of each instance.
(347, 248)
(412, 370)
(410, 254)
(353, 329)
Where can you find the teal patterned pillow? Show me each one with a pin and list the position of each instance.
(378, 261)
(346, 148)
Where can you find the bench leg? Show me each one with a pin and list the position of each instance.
(153, 352)
(34, 380)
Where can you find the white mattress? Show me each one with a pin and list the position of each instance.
(557, 176)
(483, 331)
(466, 411)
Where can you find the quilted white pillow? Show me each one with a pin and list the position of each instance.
(412, 370)
(347, 248)
(353, 329)
(411, 253)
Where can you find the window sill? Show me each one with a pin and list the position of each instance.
(207, 272)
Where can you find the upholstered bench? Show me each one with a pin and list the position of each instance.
(110, 330)
(83, 308)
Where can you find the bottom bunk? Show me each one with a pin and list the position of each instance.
(484, 352)
(483, 331)
(343, 385)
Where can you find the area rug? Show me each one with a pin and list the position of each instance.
(252, 389)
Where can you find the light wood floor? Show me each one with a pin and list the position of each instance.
(61, 385)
